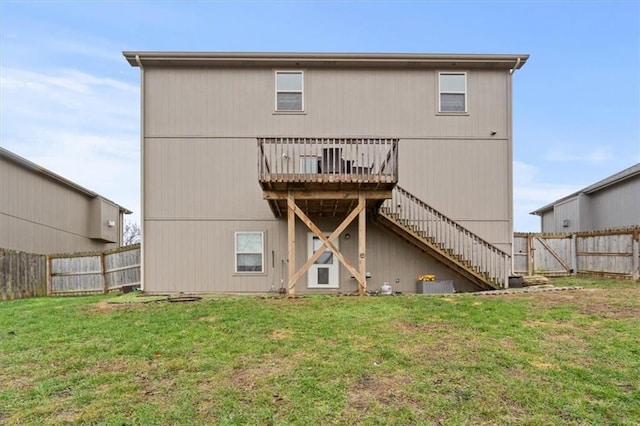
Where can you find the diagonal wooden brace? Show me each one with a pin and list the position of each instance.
(326, 243)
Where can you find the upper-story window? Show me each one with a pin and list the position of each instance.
(453, 91)
(289, 91)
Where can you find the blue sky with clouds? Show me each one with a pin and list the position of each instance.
(70, 102)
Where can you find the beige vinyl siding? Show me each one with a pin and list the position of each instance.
(198, 257)
(40, 215)
(200, 167)
(465, 179)
(203, 178)
(384, 103)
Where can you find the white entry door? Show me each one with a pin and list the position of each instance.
(325, 272)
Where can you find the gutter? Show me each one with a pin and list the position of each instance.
(385, 60)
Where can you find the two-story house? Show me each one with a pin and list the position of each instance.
(325, 172)
(45, 213)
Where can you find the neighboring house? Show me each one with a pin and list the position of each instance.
(613, 202)
(42, 212)
(325, 172)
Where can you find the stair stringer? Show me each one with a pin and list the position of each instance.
(455, 246)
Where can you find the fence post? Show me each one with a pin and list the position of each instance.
(635, 242)
(574, 254)
(103, 272)
(530, 265)
(48, 274)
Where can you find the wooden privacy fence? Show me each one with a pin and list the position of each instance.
(609, 253)
(22, 275)
(86, 273)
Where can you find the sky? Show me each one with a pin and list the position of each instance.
(71, 103)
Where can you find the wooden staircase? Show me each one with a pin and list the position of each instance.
(460, 249)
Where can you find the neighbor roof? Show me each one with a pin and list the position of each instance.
(26, 164)
(384, 60)
(611, 180)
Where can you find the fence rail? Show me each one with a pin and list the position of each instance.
(607, 252)
(87, 273)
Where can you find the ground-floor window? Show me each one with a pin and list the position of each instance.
(249, 252)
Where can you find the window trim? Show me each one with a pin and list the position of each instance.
(465, 93)
(301, 91)
(235, 256)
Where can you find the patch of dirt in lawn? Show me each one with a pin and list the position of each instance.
(446, 348)
(105, 306)
(68, 416)
(252, 373)
(616, 303)
(370, 392)
(281, 334)
(114, 365)
(209, 319)
(15, 383)
(541, 365)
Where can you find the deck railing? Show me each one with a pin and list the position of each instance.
(452, 239)
(327, 159)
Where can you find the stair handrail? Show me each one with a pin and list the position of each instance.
(410, 210)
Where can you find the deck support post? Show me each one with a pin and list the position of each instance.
(327, 242)
(362, 244)
(291, 231)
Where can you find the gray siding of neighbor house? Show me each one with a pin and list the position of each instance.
(615, 206)
(569, 211)
(44, 216)
(547, 221)
(200, 174)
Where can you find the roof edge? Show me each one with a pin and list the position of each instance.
(506, 61)
(615, 178)
(29, 165)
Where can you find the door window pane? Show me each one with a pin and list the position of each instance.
(323, 276)
(326, 258)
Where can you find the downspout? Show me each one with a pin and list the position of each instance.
(512, 70)
(139, 63)
(510, 130)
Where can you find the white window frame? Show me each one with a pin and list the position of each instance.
(464, 92)
(235, 257)
(301, 91)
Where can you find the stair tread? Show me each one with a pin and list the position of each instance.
(418, 230)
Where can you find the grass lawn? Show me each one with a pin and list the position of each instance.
(570, 357)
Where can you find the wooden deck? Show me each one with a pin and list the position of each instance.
(322, 203)
(327, 174)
